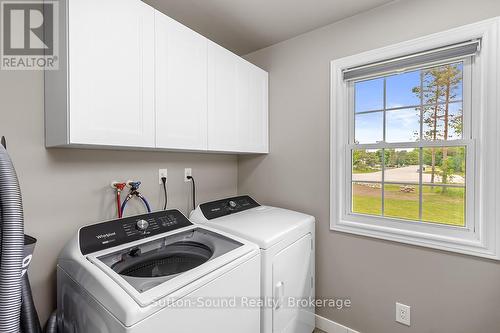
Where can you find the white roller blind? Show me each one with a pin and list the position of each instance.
(451, 52)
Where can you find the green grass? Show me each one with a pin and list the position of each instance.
(446, 207)
(367, 205)
(400, 204)
(439, 171)
(355, 171)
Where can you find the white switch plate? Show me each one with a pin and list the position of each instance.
(187, 172)
(403, 314)
(162, 173)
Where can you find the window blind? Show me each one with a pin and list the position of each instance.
(400, 64)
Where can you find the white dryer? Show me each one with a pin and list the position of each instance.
(287, 240)
(157, 273)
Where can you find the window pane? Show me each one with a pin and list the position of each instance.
(444, 165)
(402, 165)
(443, 84)
(455, 119)
(369, 127)
(403, 90)
(444, 205)
(369, 95)
(443, 122)
(402, 201)
(403, 125)
(442, 97)
(367, 165)
(367, 198)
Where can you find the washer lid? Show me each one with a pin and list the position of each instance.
(150, 264)
(263, 225)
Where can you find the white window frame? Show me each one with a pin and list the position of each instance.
(481, 235)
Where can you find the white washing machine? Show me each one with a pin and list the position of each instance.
(287, 240)
(157, 273)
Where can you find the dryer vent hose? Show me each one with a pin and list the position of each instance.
(11, 246)
(29, 316)
(51, 326)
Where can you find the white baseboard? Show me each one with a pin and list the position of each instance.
(332, 327)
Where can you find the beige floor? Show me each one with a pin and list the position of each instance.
(318, 331)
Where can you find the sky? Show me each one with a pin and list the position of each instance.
(402, 124)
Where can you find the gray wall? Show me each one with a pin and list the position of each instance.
(447, 292)
(64, 189)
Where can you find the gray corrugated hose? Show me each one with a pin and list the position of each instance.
(12, 242)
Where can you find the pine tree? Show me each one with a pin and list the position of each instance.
(439, 87)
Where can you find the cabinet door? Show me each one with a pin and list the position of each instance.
(223, 117)
(181, 86)
(293, 280)
(252, 108)
(238, 103)
(111, 72)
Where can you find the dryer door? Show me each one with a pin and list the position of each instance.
(293, 282)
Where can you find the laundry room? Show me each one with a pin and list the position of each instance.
(274, 166)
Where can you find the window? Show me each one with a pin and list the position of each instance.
(414, 142)
(409, 144)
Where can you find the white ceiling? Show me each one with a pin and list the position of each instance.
(244, 26)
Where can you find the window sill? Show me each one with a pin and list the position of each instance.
(469, 245)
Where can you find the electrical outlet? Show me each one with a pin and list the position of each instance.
(187, 172)
(403, 314)
(162, 173)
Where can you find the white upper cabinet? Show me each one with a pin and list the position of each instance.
(237, 103)
(108, 97)
(132, 77)
(181, 86)
(253, 106)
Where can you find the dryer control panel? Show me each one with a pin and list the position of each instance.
(105, 235)
(219, 208)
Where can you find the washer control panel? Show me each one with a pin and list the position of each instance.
(219, 208)
(105, 235)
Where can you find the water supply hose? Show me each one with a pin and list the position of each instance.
(12, 245)
(119, 187)
(145, 201)
(134, 191)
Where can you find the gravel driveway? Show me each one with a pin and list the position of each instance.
(405, 175)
